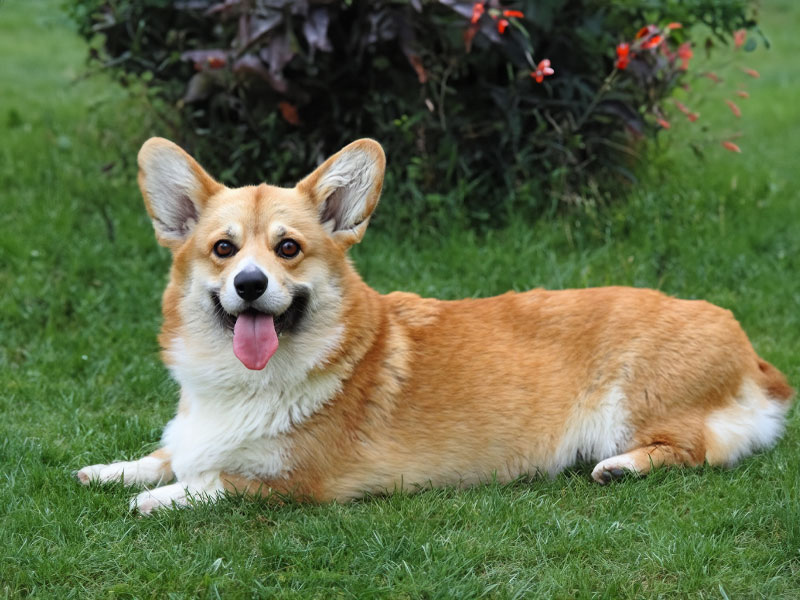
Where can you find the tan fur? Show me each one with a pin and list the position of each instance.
(460, 392)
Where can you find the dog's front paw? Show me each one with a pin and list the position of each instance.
(145, 470)
(168, 496)
(177, 495)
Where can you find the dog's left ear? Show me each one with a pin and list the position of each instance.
(345, 189)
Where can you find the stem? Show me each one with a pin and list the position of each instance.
(603, 89)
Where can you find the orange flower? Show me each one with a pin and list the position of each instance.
(501, 25)
(739, 37)
(752, 72)
(742, 94)
(663, 122)
(731, 146)
(712, 76)
(682, 107)
(289, 112)
(693, 116)
(513, 13)
(674, 25)
(623, 56)
(542, 70)
(734, 109)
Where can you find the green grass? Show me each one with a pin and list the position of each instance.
(81, 381)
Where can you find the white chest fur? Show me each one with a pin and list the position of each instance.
(235, 420)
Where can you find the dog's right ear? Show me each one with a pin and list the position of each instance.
(175, 190)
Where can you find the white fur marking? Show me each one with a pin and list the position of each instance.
(594, 433)
(751, 422)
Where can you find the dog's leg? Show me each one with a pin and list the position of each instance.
(203, 488)
(641, 461)
(153, 469)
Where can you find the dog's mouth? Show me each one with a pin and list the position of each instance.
(255, 333)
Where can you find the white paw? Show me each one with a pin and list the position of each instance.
(168, 496)
(207, 489)
(145, 470)
(613, 468)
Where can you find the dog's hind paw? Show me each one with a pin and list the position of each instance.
(613, 468)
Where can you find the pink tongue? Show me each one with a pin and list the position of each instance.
(254, 339)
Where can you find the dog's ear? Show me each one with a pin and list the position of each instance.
(175, 190)
(345, 189)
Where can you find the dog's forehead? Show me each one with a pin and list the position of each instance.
(258, 208)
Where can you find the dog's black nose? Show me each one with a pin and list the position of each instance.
(250, 284)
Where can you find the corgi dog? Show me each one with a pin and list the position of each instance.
(298, 379)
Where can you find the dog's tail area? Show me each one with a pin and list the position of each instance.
(774, 383)
(754, 418)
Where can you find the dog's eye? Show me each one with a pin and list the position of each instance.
(224, 249)
(288, 249)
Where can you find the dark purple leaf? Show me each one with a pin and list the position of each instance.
(192, 5)
(300, 7)
(249, 64)
(316, 29)
(488, 27)
(382, 27)
(261, 26)
(278, 54)
(223, 7)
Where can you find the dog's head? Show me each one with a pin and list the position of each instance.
(253, 264)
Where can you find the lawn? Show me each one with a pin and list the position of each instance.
(82, 383)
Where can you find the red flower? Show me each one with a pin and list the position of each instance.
(651, 37)
(216, 62)
(739, 37)
(682, 107)
(501, 25)
(542, 70)
(712, 76)
(645, 31)
(663, 122)
(752, 73)
(674, 25)
(623, 56)
(731, 146)
(513, 13)
(693, 117)
(477, 12)
(685, 53)
(652, 42)
(742, 94)
(734, 109)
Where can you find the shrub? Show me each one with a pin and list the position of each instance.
(264, 89)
